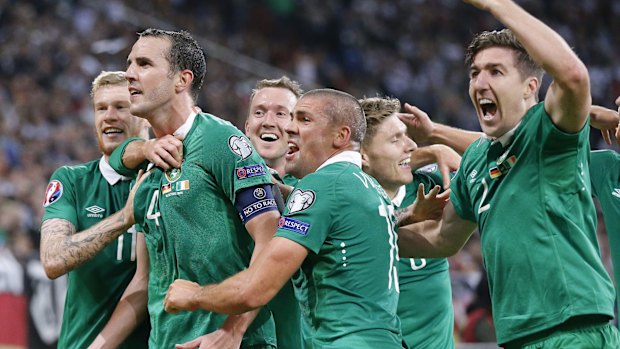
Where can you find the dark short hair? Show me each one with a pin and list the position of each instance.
(504, 38)
(342, 109)
(185, 53)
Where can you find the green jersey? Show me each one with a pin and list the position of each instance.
(84, 195)
(193, 230)
(529, 191)
(346, 221)
(425, 303)
(605, 176)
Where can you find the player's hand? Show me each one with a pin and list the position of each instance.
(165, 152)
(429, 206)
(220, 339)
(419, 125)
(448, 161)
(607, 121)
(180, 296)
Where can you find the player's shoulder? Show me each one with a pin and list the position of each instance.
(76, 171)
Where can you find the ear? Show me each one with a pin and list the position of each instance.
(246, 126)
(365, 163)
(343, 137)
(184, 81)
(530, 87)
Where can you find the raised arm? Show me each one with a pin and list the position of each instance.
(568, 99)
(421, 129)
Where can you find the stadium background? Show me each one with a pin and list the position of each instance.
(411, 49)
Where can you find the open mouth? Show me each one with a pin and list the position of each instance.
(292, 149)
(405, 163)
(488, 108)
(269, 137)
(112, 131)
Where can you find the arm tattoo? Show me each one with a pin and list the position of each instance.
(62, 249)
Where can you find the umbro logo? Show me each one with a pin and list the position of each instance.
(95, 211)
(616, 193)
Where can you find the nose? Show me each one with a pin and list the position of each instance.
(290, 128)
(411, 145)
(110, 114)
(618, 103)
(130, 73)
(480, 81)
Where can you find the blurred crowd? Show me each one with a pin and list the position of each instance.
(50, 50)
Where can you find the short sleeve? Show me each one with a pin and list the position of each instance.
(307, 217)
(59, 201)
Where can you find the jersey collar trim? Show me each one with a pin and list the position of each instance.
(353, 157)
(400, 196)
(187, 125)
(108, 172)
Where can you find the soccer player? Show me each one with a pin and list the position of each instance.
(271, 104)
(338, 226)
(100, 263)
(206, 219)
(526, 186)
(425, 302)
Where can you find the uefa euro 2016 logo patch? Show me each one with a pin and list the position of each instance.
(52, 193)
(173, 175)
(250, 171)
(240, 146)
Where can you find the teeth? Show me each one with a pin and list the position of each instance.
(269, 137)
(485, 101)
(404, 162)
(112, 130)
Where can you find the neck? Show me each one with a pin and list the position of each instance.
(278, 165)
(168, 118)
(391, 192)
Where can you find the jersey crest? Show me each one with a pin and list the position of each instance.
(52, 193)
(300, 200)
(173, 175)
(240, 146)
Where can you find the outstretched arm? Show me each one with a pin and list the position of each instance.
(435, 238)
(446, 158)
(421, 129)
(605, 120)
(246, 290)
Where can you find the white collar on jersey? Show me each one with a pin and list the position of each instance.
(187, 125)
(353, 157)
(504, 139)
(400, 196)
(108, 172)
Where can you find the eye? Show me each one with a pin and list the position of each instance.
(473, 74)
(282, 115)
(259, 113)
